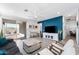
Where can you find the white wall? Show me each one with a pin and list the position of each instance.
(0, 23)
(27, 30)
(64, 31)
(40, 25)
(22, 28)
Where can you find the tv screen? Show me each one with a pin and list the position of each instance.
(50, 29)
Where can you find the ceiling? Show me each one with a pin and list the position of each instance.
(37, 11)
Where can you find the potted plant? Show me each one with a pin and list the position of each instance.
(1, 34)
(60, 34)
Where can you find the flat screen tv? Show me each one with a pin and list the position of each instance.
(50, 29)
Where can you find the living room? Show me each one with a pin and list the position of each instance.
(35, 32)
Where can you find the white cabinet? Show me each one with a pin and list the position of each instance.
(53, 36)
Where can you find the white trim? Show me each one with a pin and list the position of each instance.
(64, 35)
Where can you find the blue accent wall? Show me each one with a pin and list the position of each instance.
(57, 21)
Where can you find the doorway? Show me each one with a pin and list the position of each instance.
(70, 26)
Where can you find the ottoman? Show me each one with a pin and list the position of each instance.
(31, 45)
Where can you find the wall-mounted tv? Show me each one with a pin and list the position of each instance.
(51, 29)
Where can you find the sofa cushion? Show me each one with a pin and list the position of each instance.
(9, 48)
(9, 45)
(3, 52)
(3, 41)
(13, 50)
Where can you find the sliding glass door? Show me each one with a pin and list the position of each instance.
(10, 29)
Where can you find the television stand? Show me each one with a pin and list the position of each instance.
(53, 36)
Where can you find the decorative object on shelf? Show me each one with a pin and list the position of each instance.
(30, 26)
(36, 26)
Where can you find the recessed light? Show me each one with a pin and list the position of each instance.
(58, 12)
